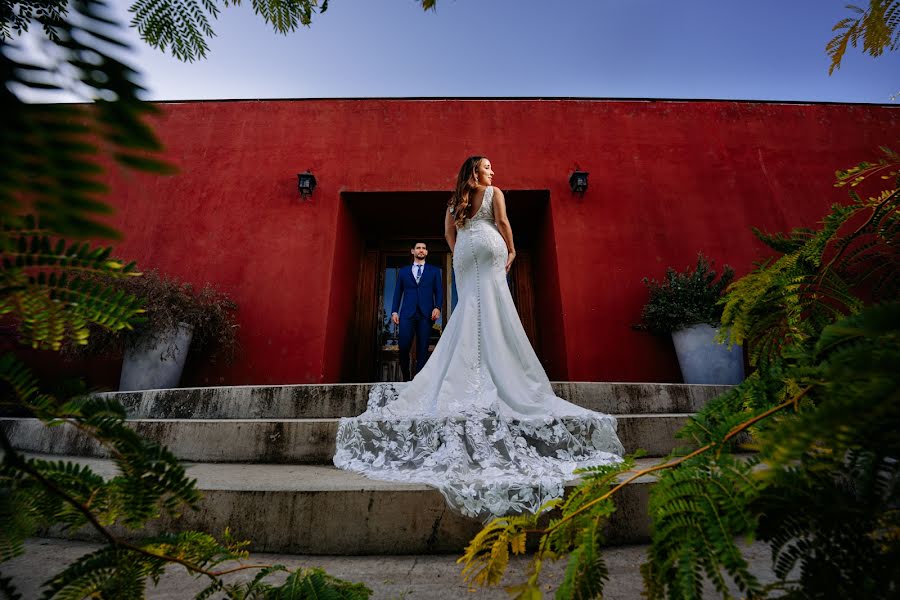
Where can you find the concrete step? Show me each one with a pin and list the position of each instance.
(303, 441)
(262, 455)
(348, 400)
(305, 509)
(418, 577)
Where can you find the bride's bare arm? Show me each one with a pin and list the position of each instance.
(503, 225)
(450, 229)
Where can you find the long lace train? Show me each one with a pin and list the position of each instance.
(484, 464)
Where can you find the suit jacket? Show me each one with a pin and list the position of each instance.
(426, 295)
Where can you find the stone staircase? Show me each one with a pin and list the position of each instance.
(262, 457)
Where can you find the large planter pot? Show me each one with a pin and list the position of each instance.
(160, 366)
(703, 360)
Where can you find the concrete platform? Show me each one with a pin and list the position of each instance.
(428, 577)
(311, 509)
(285, 441)
(349, 399)
(262, 456)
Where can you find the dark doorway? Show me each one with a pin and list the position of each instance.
(387, 365)
(390, 224)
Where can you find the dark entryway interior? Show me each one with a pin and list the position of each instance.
(388, 224)
(407, 215)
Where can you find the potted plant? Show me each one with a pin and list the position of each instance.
(686, 305)
(177, 321)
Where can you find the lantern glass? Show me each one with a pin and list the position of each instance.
(578, 181)
(306, 183)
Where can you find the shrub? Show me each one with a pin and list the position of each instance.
(167, 302)
(685, 298)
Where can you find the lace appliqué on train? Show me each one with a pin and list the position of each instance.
(484, 464)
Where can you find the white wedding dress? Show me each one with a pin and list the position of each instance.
(480, 422)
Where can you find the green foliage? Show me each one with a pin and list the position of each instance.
(285, 16)
(184, 26)
(114, 573)
(52, 289)
(17, 15)
(823, 411)
(851, 261)
(698, 509)
(51, 166)
(312, 584)
(844, 543)
(876, 26)
(574, 527)
(150, 481)
(685, 298)
(166, 303)
(822, 406)
(50, 153)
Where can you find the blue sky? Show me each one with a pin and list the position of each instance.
(760, 49)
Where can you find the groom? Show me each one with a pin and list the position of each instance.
(422, 293)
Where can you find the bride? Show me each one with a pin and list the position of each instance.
(480, 421)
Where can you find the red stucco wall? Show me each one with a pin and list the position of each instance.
(341, 339)
(667, 179)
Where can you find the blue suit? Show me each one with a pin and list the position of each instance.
(418, 301)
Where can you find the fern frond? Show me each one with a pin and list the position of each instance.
(784, 243)
(182, 26)
(23, 386)
(286, 17)
(487, 556)
(885, 166)
(21, 14)
(857, 399)
(787, 302)
(698, 509)
(151, 477)
(586, 573)
(16, 514)
(50, 152)
(86, 576)
(309, 584)
(44, 288)
(835, 542)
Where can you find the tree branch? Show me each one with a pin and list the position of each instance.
(734, 431)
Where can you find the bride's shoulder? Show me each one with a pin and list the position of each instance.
(496, 192)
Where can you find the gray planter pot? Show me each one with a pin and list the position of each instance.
(702, 360)
(159, 367)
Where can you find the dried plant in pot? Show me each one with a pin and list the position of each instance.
(178, 320)
(686, 304)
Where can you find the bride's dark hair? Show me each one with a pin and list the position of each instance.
(465, 185)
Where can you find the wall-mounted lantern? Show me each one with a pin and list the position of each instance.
(578, 181)
(306, 183)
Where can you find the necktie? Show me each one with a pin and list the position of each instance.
(418, 273)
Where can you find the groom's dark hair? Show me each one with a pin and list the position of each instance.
(417, 243)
